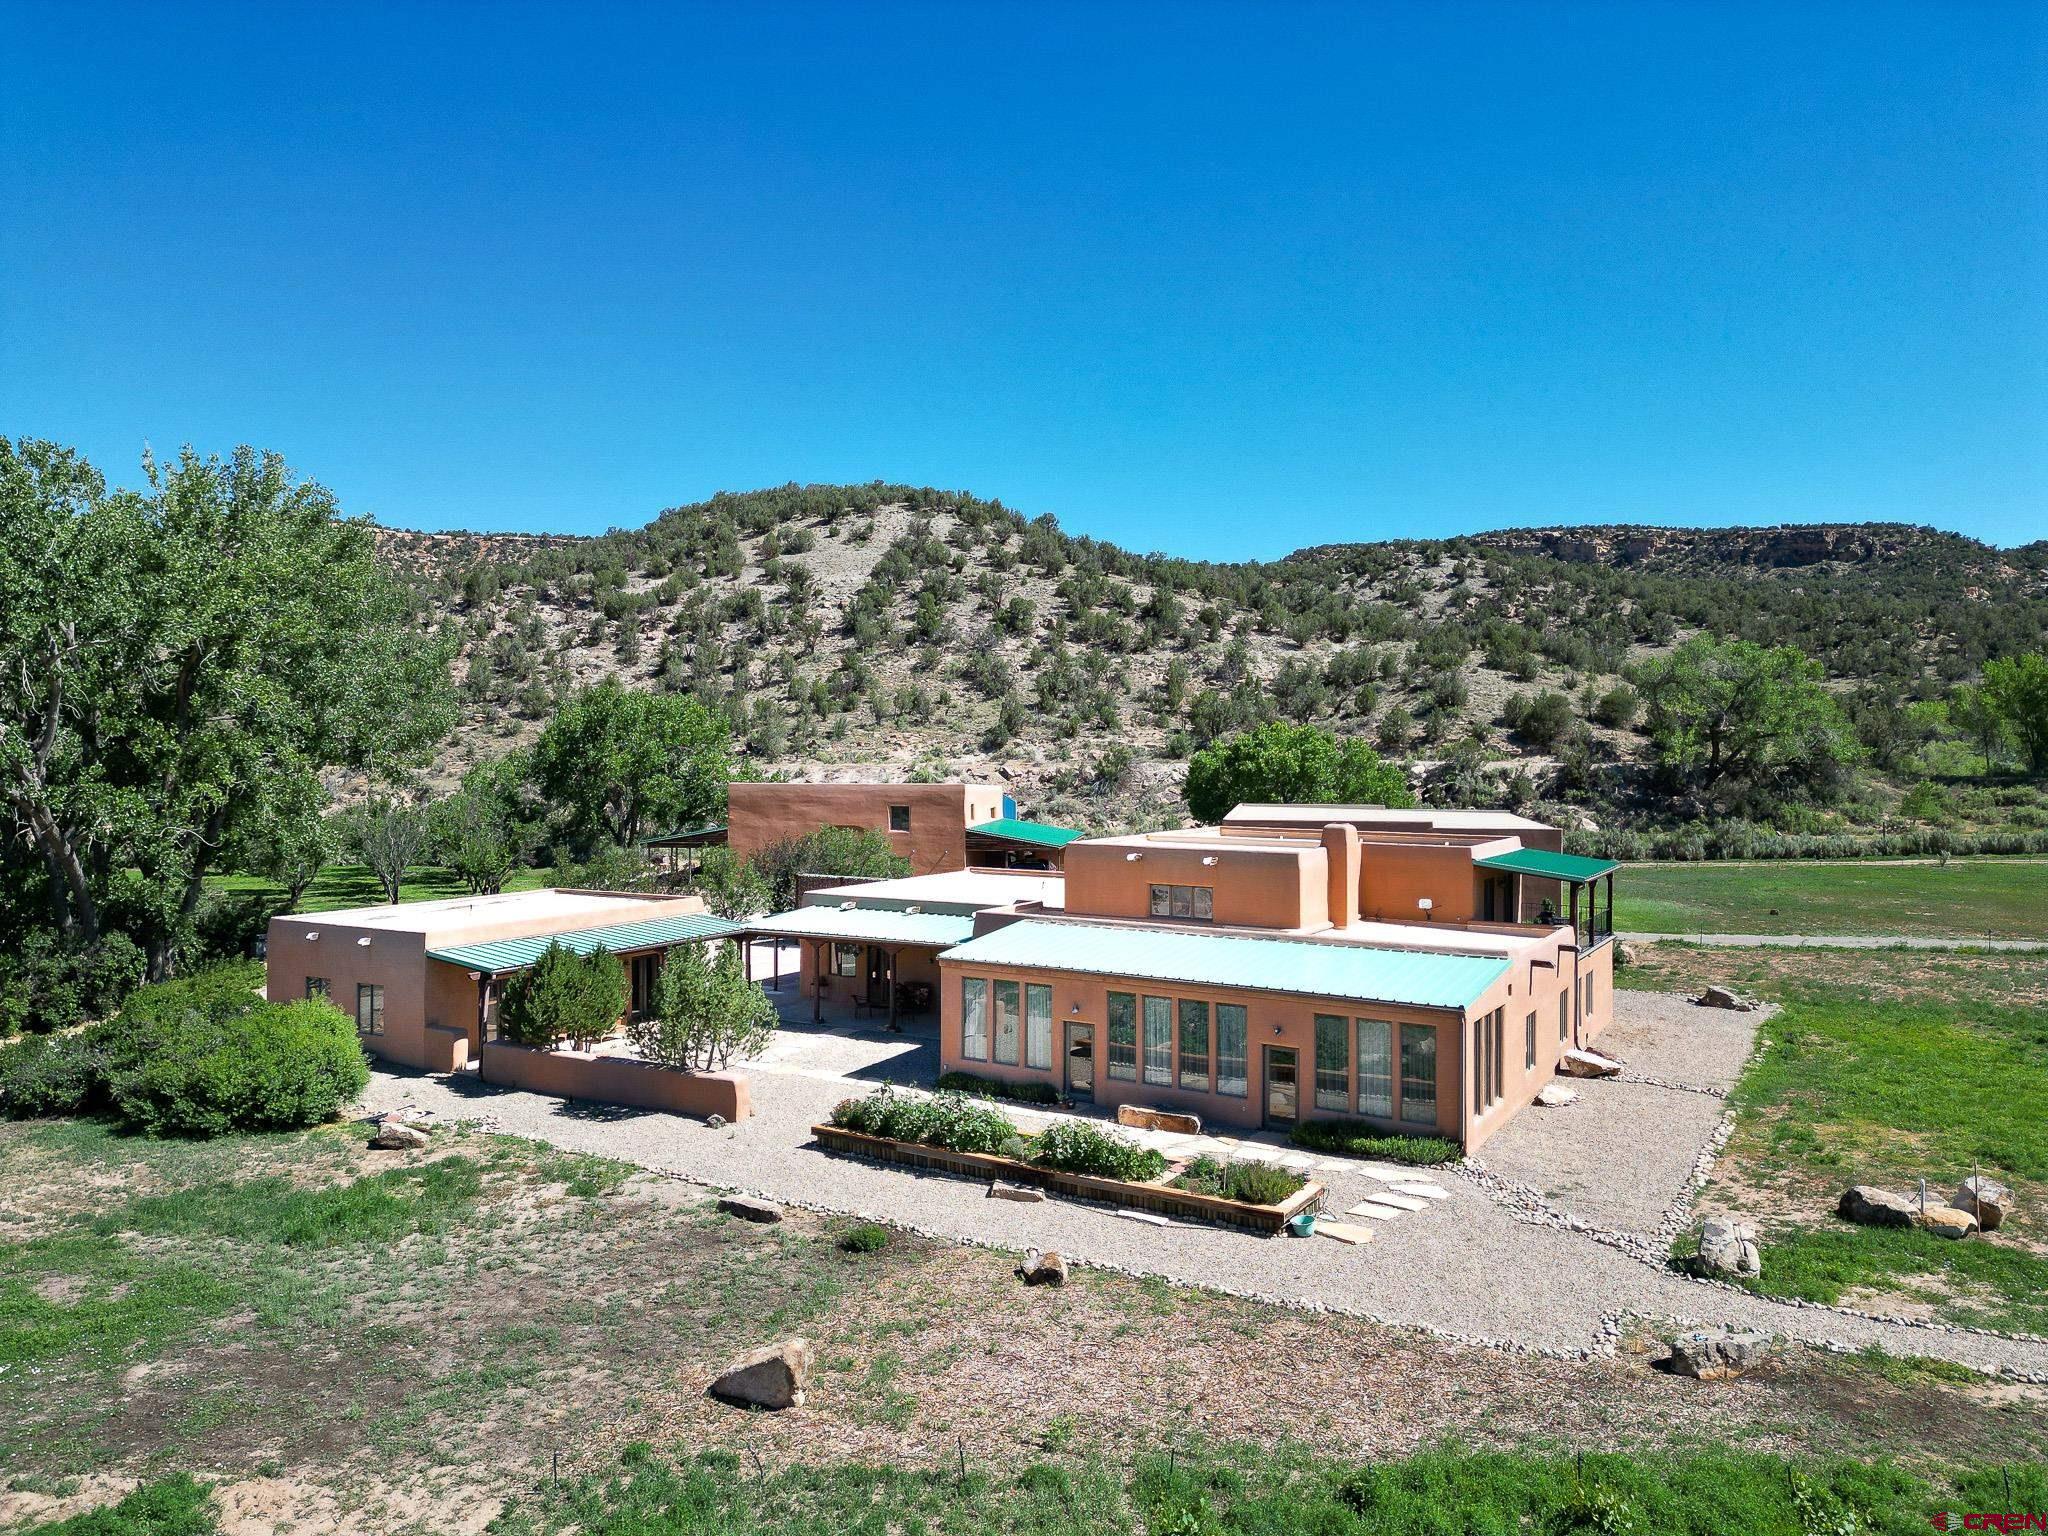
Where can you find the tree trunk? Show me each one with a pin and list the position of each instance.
(68, 878)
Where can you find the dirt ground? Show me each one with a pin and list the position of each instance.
(570, 1308)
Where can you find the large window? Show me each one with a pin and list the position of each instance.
(369, 1009)
(1193, 902)
(1333, 1062)
(1487, 1046)
(1194, 1044)
(1529, 1053)
(974, 1018)
(845, 959)
(1159, 1041)
(1006, 1023)
(1231, 1050)
(316, 986)
(1123, 1036)
(1418, 1074)
(1038, 1026)
(1376, 1068)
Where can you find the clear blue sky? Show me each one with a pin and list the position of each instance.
(1220, 280)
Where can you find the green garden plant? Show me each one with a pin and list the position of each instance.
(1075, 1146)
(564, 997)
(1354, 1138)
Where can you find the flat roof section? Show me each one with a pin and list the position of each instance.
(1421, 819)
(962, 892)
(1355, 973)
(501, 955)
(451, 914)
(865, 925)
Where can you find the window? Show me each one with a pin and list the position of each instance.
(1231, 1048)
(1123, 1036)
(974, 1018)
(1418, 1074)
(1194, 1044)
(1376, 1068)
(899, 818)
(1564, 1013)
(1195, 903)
(1006, 1023)
(369, 1009)
(1529, 1050)
(1038, 1027)
(845, 959)
(1488, 1046)
(1589, 999)
(1159, 1040)
(1333, 1062)
(316, 986)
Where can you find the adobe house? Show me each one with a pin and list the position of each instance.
(937, 827)
(423, 978)
(1419, 975)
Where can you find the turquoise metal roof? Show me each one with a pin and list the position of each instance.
(1568, 867)
(1352, 972)
(865, 925)
(1038, 833)
(500, 955)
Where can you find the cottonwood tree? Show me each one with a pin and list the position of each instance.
(703, 1013)
(177, 662)
(389, 837)
(487, 829)
(2017, 688)
(620, 764)
(1287, 764)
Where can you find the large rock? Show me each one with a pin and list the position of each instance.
(1712, 1354)
(1587, 1064)
(1984, 1198)
(1556, 1095)
(394, 1135)
(1023, 1194)
(1179, 1122)
(1722, 997)
(1728, 1248)
(774, 1376)
(747, 1208)
(1869, 1206)
(1626, 953)
(1043, 1268)
(1945, 1221)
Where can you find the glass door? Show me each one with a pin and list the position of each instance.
(1081, 1060)
(1282, 1087)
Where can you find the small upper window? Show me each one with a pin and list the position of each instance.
(316, 986)
(1194, 902)
(899, 818)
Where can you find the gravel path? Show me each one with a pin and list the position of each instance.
(1833, 941)
(1618, 1157)
(1466, 1267)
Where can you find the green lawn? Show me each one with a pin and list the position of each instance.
(1966, 898)
(352, 885)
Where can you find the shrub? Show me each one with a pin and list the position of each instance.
(271, 1067)
(948, 1120)
(46, 984)
(704, 1013)
(564, 996)
(1074, 1146)
(868, 1237)
(48, 1075)
(1254, 1183)
(1353, 1138)
(996, 1088)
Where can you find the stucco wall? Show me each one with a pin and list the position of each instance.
(617, 1080)
(1393, 877)
(758, 815)
(1254, 887)
(395, 961)
(912, 964)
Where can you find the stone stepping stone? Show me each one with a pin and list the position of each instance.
(1297, 1161)
(1427, 1191)
(1344, 1233)
(1405, 1202)
(1148, 1217)
(1376, 1211)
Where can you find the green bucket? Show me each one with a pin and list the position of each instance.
(1303, 1225)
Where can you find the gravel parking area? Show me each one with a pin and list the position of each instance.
(1667, 1035)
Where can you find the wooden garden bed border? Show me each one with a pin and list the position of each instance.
(1160, 1199)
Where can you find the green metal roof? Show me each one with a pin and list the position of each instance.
(865, 925)
(1352, 972)
(1568, 867)
(1037, 833)
(500, 955)
(710, 829)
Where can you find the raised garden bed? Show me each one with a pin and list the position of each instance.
(1158, 1198)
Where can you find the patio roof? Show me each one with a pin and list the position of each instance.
(866, 925)
(1568, 867)
(1037, 834)
(688, 837)
(1352, 972)
(500, 955)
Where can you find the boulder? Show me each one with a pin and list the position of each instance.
(1023, 1194)
(1869, 1206)
(1722, 997)
(1728, 1248)
(1986, 1199)
(747, 1208)
(396, 1136)
(1714, 1354)
(1945, 1221)
(1626, 953)
(1581, 1063)
(774, 1376)
(1179, 1122)
(1556, 1095)
(1042, 1268)
(714, 1122)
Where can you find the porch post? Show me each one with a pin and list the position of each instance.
(747, 955)
(818, 989)
(483, 1010)
(892, 988)
(1610, 904)
(776, 950)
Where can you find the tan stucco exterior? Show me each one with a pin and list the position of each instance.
(758, 815)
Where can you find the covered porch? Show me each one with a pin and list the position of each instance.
(869, 964)
(1528, 884)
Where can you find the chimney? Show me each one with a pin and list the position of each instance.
(1340, 849)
